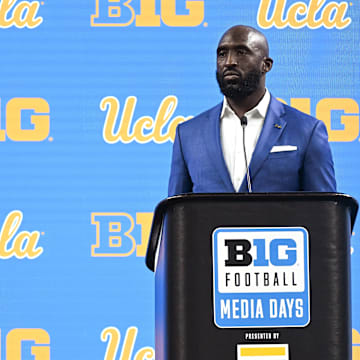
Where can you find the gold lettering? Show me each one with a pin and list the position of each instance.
(32, 20)
(338, 11)
(163, 116)
(314, 15)
(356, 344)
(23, 14)
(314, 8)
(17, 245)
(41, 352)
(145, 353)
(350, 122)
(143, 123)
(153, 127)
(277, 16)
(18, 18)
(24, 244)
(129, 342)
(8, 230)
(5, 8)
(147, 16)
(16, 336)
(295, 9)
(112, 335)
(145, 221)
(194, 18)
(41, 123)
(113, 106)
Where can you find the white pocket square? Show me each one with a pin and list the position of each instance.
(280, 148)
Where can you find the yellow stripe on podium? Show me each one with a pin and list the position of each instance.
(264, 351)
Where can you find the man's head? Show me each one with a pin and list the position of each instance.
(242, 62)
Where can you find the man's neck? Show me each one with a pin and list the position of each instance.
(243, 105)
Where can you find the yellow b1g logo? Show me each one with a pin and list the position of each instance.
(123, 13)
(17, 337)
(115, 234)
(39, 125)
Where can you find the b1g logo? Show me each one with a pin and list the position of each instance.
(116, 235)
(27, 119)
(124, 12)
(261, 277)
(18, 341)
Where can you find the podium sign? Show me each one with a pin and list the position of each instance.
(261, 277)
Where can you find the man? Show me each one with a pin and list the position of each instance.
(287, 150)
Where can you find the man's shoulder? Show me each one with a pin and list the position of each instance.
(294, 116)
(295, 113)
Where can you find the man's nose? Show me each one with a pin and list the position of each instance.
(231, 59)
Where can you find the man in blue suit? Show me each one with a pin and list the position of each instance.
(286, 149)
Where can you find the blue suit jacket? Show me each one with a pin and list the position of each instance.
(198, 164)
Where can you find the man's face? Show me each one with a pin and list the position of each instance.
(239, 63)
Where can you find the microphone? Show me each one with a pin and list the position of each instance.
(244, 121)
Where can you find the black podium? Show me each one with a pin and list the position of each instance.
(253, 276)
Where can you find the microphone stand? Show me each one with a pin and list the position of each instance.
(243, 121)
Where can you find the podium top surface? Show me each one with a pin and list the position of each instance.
(339, 198)
(190, 199)
(283, 196)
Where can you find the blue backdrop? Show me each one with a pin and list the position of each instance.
(90, 95)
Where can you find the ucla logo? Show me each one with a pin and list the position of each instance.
(313, 14)
(122, 13)
(115, 234)
(23, 244)
(112, 336)
(159, 129)
(17, 337)
(20, 14)
(38, 123)
(261, 277)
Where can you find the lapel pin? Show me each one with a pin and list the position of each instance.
(278, 126)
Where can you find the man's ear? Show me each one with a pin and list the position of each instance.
(267, 64)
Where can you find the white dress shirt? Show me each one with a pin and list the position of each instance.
(231, 134)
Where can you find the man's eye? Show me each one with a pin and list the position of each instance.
(241, 52)
(221, 53)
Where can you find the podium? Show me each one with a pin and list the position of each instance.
(252, 276)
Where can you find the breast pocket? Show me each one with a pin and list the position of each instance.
(281, 154)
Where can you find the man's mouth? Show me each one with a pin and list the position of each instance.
(231, 74)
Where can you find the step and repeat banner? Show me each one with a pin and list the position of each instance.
(91, 92)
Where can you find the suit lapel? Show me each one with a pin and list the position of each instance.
(274, 125)
(214, 146)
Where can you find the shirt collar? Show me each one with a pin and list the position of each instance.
(260, 108)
